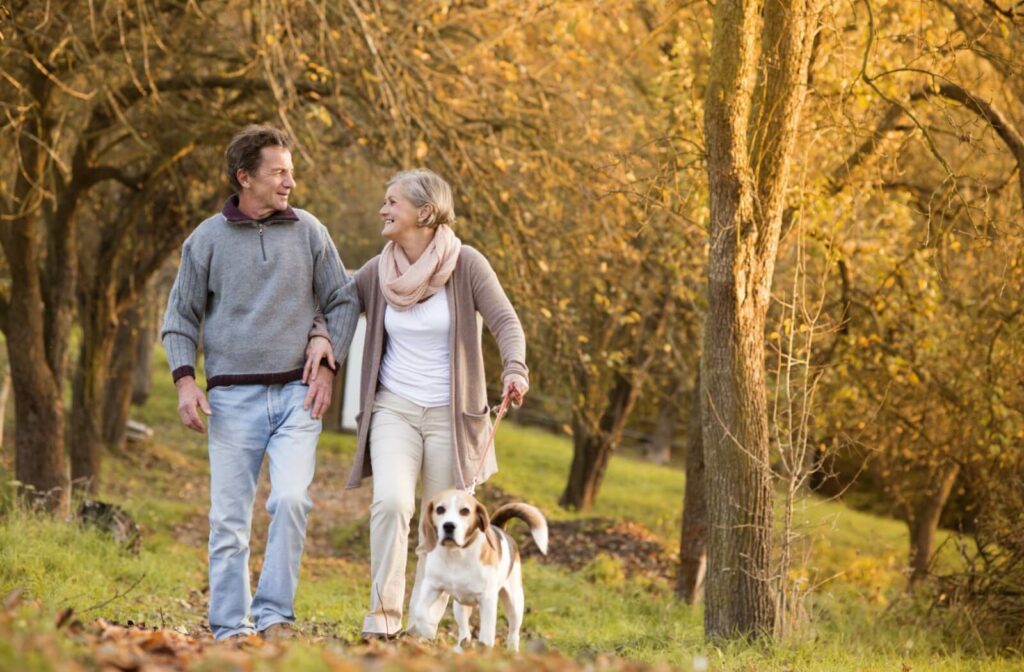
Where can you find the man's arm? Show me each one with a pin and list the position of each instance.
(180, 335)
(320, 368)
(338, 297)
(319, 351)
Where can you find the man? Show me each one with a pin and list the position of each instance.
(251, 280)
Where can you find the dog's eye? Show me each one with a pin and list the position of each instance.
(439, 510)
(463, 511)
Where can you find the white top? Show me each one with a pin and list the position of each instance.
(417, 358)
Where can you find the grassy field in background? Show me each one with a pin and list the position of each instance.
(857, 614)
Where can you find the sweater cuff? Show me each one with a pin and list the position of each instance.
(319, 330)
(515, 368)
(183, 371)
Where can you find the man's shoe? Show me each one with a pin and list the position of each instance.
(239, 638)
(278, 632)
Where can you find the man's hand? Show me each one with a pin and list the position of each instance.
(190, 396)
(319, 396)
(317, 349)
(516, 388)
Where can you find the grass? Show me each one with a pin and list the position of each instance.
(534, 464)
(66, 565)
(859, 615)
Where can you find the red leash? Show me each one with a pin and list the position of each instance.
(502, 410)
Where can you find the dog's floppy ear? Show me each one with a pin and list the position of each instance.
(428, 531)
(483, 522)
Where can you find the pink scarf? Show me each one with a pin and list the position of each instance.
(405, 284)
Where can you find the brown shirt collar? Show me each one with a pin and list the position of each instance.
(235, 216)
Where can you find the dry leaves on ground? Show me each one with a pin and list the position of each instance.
(100, 644)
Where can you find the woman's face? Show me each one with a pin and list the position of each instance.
(399, 214)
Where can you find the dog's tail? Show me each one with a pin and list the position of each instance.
(531, 515)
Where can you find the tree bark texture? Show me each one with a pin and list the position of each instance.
(693, 540)
(750, 131)
(38, 403)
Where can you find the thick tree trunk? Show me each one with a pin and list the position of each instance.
(38, 405)
(739, 487)
(693, 541)
(593, 449)
(750, 131)
(738, 593)
(34, 346)
(924, 522)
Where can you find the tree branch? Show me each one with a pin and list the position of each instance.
(999, 122)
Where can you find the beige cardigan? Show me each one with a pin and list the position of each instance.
(473, 287)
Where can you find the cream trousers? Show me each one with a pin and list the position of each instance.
(406, 440)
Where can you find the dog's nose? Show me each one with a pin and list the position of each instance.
(449, 527)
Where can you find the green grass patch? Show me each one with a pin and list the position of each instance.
(69, 565)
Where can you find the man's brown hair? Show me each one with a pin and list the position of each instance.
(243, 152)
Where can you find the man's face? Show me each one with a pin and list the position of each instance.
(267, 188)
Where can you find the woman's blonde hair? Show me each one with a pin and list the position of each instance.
(425, 187)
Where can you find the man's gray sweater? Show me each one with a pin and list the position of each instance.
(252, 289)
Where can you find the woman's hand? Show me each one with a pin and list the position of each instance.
(516, 388)
(317, 349)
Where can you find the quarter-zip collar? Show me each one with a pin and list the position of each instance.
(236, 216)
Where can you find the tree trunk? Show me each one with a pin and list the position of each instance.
(33, 346)
(120, 390)
(739, 486)
(142, 362)
(750, 134)
(590, 456)
(5, 393)
(924, 522)
(593, 449)
(693, 541)
(88, 397)
(38, 405)
(660, 449)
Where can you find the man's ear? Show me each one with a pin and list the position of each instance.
(242, 175)
(428, 531)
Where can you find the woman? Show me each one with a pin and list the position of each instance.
(423, 393)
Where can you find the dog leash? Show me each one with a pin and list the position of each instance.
(502, 410)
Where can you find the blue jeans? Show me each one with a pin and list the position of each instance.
(249, 421)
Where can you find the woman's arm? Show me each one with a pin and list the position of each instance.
(501, 319)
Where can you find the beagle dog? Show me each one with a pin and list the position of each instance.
(470, 557)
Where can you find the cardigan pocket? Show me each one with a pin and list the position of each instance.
(478, 430)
